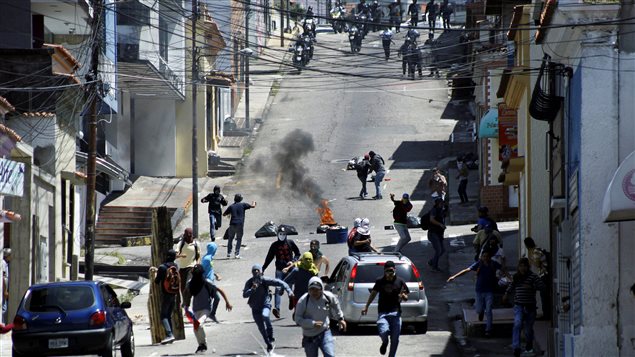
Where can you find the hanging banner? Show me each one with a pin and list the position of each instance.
(507, 133)
(11, 178)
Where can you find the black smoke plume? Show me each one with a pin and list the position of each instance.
(289, 159)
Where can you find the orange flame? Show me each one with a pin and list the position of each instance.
(326, 215)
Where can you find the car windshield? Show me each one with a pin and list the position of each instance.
(66, 298)
(369, 273)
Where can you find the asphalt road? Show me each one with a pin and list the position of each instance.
(343, 105)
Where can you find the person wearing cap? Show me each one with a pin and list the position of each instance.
(256, 290)
(168, 300)
(215, 210)
(392, 291)
(483, 236)
(237, 223)
(377, 164)
(363, 168)
(435, 232)
(400, 214)
(312, 314)
(362, 242)
(286, 252)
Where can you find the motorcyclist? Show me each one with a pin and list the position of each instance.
(338, 13)
(395, 15)
(412, 34)
(375, 11)
(413, 11)
(363, 17)
(386, 40)
(309, 13)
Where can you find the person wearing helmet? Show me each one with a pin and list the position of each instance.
(237, 223)
(375, 11)
(285, 251)
(215, 210)
(413, 11)
(395, 15)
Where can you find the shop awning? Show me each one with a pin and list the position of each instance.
(619, 198)
(489, 124)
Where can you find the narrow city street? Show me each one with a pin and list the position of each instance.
(341, 106)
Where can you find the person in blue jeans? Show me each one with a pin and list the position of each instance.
(256, 290)
(377, 164)
(486, 282)
(215, 210)
(524, 285)
(312, 314)
(237, 223)
(392, 291)
(436, 231)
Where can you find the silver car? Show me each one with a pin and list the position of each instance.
(354, 277)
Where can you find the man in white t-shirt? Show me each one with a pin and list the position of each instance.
(187, 255)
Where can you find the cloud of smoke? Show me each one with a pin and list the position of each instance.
(289, 159)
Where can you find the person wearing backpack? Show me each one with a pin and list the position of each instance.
(200, 292)
(167, 276)
(256, 290)
(215, 210)
(483, 236)
(285, 251)
(400, 215)
(312, 313)
(187, 256)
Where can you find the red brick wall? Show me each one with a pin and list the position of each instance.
(496, 198)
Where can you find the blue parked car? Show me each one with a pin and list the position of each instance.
(72, 318)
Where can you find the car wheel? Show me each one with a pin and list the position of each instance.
(421, 327)
(128, 347)
(110, 348)
(15, 353)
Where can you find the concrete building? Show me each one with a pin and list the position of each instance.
(571, 92)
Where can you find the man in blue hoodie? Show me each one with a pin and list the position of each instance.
(257, 292)
(210, 275)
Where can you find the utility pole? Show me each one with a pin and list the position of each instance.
(194, 122)
(247, 8)
(282, 24)
(89, 241)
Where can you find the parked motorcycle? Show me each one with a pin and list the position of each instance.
(355, 39)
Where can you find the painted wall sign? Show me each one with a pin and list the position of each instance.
(11, 178)
(507, 133)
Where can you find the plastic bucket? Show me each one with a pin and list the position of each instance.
(334, 236)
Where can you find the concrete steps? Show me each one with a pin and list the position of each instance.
(117, 223)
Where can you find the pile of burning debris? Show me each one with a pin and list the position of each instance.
(327, 222)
